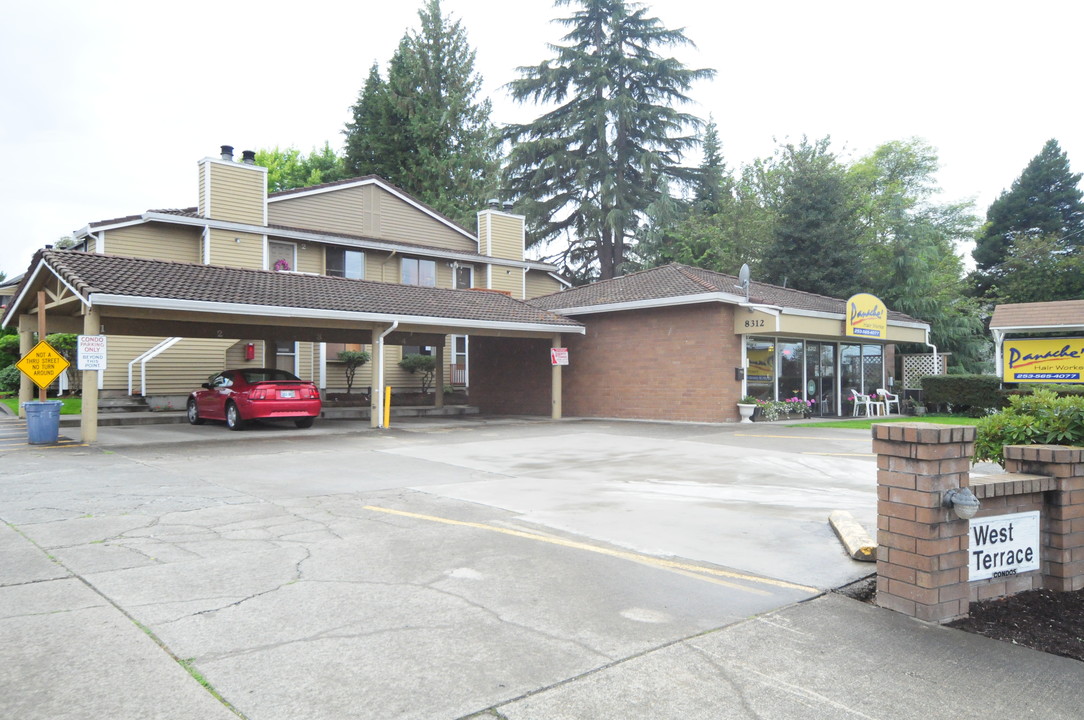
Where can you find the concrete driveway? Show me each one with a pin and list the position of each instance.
(442, 569)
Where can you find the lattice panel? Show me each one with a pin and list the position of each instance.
(917, 366)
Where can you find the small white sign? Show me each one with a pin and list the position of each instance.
(559, 356)
(91, 354)
(1003, 545)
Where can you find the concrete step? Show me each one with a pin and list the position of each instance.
(167, 417)
(125, 404)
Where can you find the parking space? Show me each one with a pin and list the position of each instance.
(433, 570)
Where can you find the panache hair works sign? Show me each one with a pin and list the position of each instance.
(1050, 360)
(867, 317)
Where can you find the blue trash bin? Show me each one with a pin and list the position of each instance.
(43, 421)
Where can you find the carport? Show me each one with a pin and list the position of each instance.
(92, 294)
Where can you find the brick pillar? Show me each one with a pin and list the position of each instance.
(922, 546)
(1063, 515)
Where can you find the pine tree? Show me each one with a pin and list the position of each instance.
(1044, 201)
(423, 129)
(590, 167)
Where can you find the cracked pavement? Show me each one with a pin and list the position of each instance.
(478, 569)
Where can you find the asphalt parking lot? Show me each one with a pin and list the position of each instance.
(441, 569)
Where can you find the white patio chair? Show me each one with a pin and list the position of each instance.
(888, 400)
(864, 401)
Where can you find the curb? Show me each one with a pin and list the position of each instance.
(859, 545)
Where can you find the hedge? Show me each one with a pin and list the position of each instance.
(974, 394)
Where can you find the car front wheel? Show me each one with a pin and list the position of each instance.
(193, 413)
(233, 417)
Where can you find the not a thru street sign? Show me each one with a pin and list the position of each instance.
(43, 364)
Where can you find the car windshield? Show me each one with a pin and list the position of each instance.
(268, 375)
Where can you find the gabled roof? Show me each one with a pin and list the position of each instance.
(1039, 316)
(675, 281)
(117, 280)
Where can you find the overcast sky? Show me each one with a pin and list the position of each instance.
(108, 106)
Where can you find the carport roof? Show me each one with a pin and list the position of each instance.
(675, 281)
(140, 282)
(1067, 315)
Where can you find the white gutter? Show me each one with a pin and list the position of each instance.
(106, 299)
(143, 359)
(379, 389)
(999, 346)
(936, 357)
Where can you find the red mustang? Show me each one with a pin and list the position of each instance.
(238, 396)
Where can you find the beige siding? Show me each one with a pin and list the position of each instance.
(227, 250)
(306, 368)
(310, 258)
(504, 236)
(368, 211)
(507, 279)
(396, 377)
(540, 283)
(237, 192)
(180, 369)
(154, 240)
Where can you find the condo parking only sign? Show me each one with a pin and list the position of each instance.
(1003, 545)
(91, 355)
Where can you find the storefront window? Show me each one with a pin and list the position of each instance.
(791, 364)
(873, 367)
(850, 368)
(760, 375)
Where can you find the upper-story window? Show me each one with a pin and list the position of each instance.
(281, 256)
(345, 263)
(419, 272)
(464, 277)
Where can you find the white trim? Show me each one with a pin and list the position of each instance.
(652, 303)
(106, 299)
(1036, 328)
(205, 238)
(389, 189)
(557, 277)
(523, 285)
(489, 277)
(323, 366)
(233, 164)
(205, 169)
(83, 232)
(99, 242)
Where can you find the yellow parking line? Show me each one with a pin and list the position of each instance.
(803, 437)
(689, 570)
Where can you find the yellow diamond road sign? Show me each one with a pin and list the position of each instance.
(43, 364)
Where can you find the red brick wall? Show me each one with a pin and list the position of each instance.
(672, 363)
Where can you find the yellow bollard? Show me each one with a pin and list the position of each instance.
(387, 406)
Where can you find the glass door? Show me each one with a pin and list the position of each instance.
(821, 378)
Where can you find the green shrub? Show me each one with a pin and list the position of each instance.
(425, 364)
(9, 379)
(1040, 418)
(352, 360)
(977, 395)
(9, 350)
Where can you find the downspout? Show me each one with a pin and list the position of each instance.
(999, 345)
(380, 367)
(936, 357)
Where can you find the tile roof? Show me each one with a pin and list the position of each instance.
(675, 281)
(1039, 315)
(89, 273)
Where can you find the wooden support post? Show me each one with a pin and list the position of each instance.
(26, 344)
(88, 423)
(438, 380)
(555, 384)
(43, 393)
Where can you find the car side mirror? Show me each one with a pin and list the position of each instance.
(206, 386)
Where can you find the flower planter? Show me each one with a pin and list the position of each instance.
(746, 412)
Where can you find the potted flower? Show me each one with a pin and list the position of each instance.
(798, 406)
(746, 406)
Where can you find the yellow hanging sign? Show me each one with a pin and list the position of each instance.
(867, 317)
(1043, 360)
(43, 364)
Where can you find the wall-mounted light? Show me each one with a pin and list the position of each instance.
(237, 240)
(962, 501)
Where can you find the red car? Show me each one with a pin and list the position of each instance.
(238, 396)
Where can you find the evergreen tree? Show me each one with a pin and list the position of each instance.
(590, 167)
(423, 129)
(1044, 201)
(816, 244)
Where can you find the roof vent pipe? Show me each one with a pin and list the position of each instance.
(227, 152)
(508, 205)
(248, 157)
(494, 204)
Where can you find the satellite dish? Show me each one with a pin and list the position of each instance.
(743, 280)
